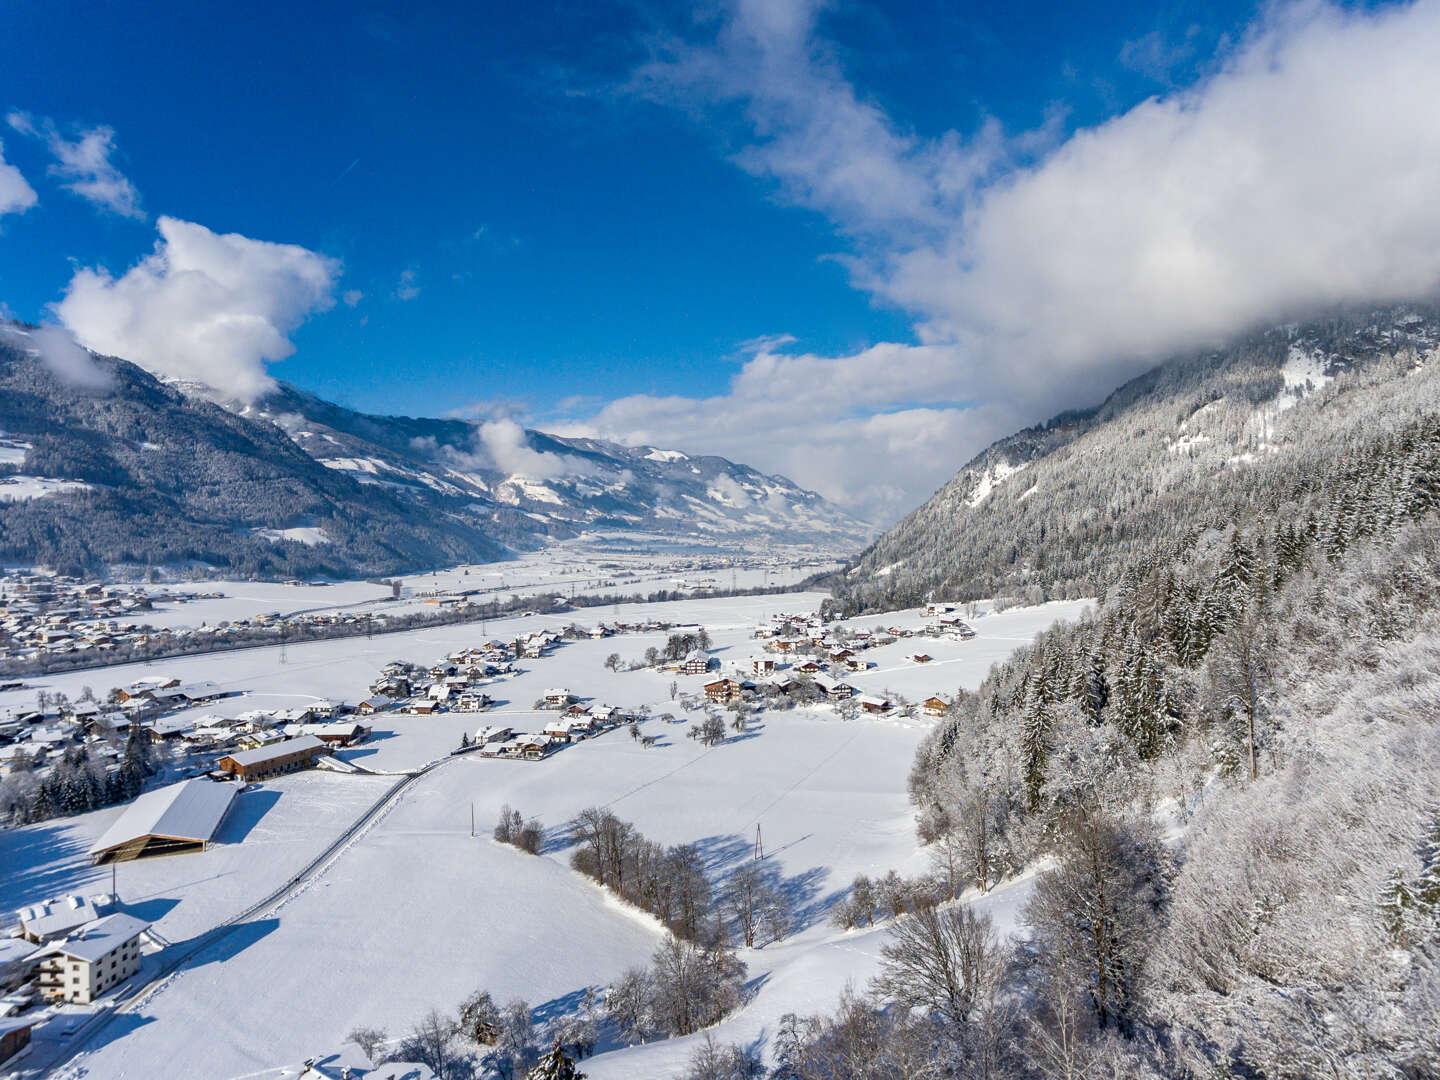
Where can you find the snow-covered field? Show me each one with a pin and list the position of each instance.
(595, 563)
(416, 913)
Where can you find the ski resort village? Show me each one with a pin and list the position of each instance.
(316, 849)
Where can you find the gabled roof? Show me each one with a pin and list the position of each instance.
(189, 810)
(94, 941)
(276, 750)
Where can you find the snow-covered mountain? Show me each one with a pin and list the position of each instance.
(1053, 510)
(138, 473)
(522, 483)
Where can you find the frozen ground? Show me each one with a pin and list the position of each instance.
(417, 913)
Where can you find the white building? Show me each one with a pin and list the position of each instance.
(95, 958)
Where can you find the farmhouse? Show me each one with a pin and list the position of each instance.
(96, 957)
(282, 757)
(373, 704)
(558, 698)
(936, 706)
(874, 705)
(167, 821)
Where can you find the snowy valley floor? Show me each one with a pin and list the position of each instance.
(416, 913)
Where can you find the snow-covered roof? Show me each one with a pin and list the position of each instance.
(189, 810)
(97, 940)
(54, 917)
(275, 750)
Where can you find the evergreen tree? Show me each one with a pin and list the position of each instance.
(556, 1065)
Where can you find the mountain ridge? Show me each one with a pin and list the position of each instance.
(143, 473)
(1039, 513)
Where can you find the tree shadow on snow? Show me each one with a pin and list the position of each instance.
(63, 853)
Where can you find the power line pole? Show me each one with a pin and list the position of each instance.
(759, 844)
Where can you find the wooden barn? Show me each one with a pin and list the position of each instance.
(171, 820)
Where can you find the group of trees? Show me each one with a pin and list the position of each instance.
(515, 830)
(484, 1038)
(79, 781)
(687, 987)
(668, 882)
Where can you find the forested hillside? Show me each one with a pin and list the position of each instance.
(1054, 511)
(1226, 778)
(135, 474)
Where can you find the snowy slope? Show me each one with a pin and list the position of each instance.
(417, 913)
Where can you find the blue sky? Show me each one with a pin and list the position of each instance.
(554, 207)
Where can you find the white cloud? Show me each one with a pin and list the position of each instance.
(1041, 271)
(62, 355)
(84, 163)
(868, 431)
(501, 445)
(407, 289)
(214, 308)
(352, 297)
(16, 195)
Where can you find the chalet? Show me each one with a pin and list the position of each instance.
(285, 756)
(567, 731)
(373, 704)
(936, 706)
(471, 701)
(534, 747)
(558, 698)
(762, 665)
(723, 691)
(840, 691)
(809, 667)
(697, 663)
(856, 663)
(98, 956)
(922, 658)
(420, 706)
(336, 733)
(170, 728)
(493, 735)
(253, 740)
(874, 705)
(199, 693)
(171, 820)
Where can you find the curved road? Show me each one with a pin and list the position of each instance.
(170, 964)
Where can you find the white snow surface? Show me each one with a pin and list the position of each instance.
(416, 913)
(309, 535)
(993, 477)
(24, 488)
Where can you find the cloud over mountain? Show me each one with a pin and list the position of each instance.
(204, 306)
(1042, 270)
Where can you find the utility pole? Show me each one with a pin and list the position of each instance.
(472, 819)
